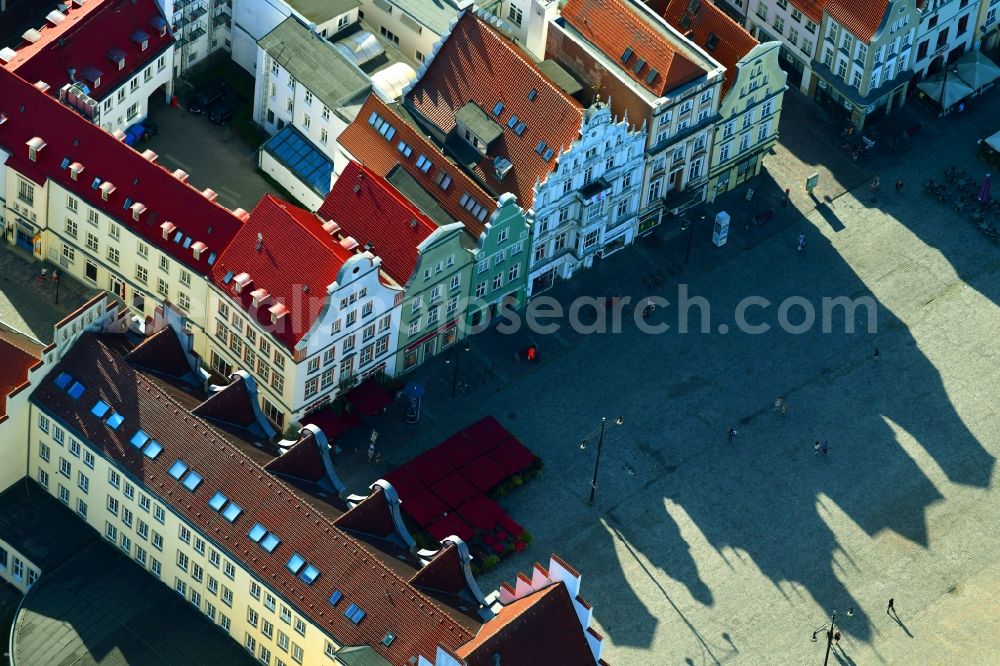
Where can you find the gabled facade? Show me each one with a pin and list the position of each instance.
(104, 59)
(431, 263)
(988, 25)
(589, 205)
(864, 57)
(386, 140)
(303, 308)
(664, 84)
(752, 94)
(947, 31)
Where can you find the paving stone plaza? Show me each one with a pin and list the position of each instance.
(702, 551)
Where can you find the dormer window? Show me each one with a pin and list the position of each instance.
(75, 169)
(117, 56)
(137, 210)
(141, 38)
(167, 228)
(107, 189)
(159, 24)
(35, 146)
(240, 282)
(197, 249)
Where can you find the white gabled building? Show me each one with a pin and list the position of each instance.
(589, 203)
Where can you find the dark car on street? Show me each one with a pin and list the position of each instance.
(223, 110)
(204, 98)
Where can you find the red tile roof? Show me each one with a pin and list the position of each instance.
(732, 41)
(345, 564)
(14, 366)
(297, 261)
(540, 628)
(30, 113)
(813, 9)
(371, 210)
(859, 17)
(85, 39)
(614, 26)
(477, 64)
(365, 144)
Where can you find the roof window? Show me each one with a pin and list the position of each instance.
(498, 109)
(628, 54)
(63, 380)
(532, 94)
(639, 64)
(519, 130)
(76, 390)
(177, 469)
(100, 408)
(512, 121)
(115, 420)
(389, 638)
(232, 512)
(336, 597)
(354, 614)
(193, 480)
(270, 542)
(257, 532)
(152, 449)
(139, 439)
(218, 501)
(712, 42)
(651, 76)
(309, 574)
(295, 563)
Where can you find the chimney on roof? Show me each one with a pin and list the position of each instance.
(31, 35)
(369, 246)
(149, 155)
(42, 86)
(118, 134)
(260, 241)
(501, 165)
(413, 223)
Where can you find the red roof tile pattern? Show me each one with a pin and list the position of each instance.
(302, 461)
(370, 516)
(390, 603)
(813, 9)
(161, 353)
(296, 262)
(444, 573)
(68, 136)
(858, 16)
(365, 144)
(541, 628)
(616, 28)
(85, 39)
(477, 64)
(709, 23)
(232, 405)
(15, 363)
(369, 209)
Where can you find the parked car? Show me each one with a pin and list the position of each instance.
(223, 110)
(207, 96)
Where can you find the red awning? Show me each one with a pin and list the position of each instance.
(424, 508)
(458, 449)
(330, 422)
(454, 489)
(449, 525)
(512, 457)
(430, 466)
(369, 398)
(405, 483)
(484, 473)
(487, 434)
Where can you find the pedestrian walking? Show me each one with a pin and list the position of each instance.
(731, 433)
(875, 355)
(891, 608)
(784, 201)
(899, 186)
(875, 185)
(836, 639)
(371, 452)
(802, 242)
(824, 448)
(816, 447)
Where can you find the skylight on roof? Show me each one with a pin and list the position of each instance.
(519, 130)
(232, 512)
(100, 408)
(336, 597)
(139, 439)
(228, 277)
(712, 42)
(532, 94)
(628, 54)
(127, 204)
(295, 563)
(177, 469)
(115, 420)
(389, 638)
(548, 154)
(95, 183)
(354, 614)
(64, 163)
(152, 449)
(270, 542)
(651, 76)
(178, 236)
(309, 574)
(257, 532)
(193, 480)
(639, 64)
(498, 108)
(76, 390)
(187, 242)
(512, 121)
(540, 148)
(211, 258)
(218, 501)
(63, 380)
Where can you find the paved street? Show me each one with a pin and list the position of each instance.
(698, 551)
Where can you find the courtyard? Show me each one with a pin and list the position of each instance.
(702, 551)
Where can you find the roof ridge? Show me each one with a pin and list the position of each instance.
(224, 441)
(396, 195)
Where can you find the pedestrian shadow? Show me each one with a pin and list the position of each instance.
(842, 657)
(895, 616)
(828, 215)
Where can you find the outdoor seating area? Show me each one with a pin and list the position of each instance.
(444, 490)
(969, 196)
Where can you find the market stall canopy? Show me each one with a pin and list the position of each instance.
(977, 70)
(994, 142)
(955, 90)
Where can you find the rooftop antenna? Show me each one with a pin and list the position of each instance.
(260, 241)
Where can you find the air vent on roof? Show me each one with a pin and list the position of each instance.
(31, 35)
(501, 166)
(7, 54)
(167, 228)
(241, 281)
(197, 249)
(331, 227)
(3, 118)
(259, 296)
(42, 86)
(348, 243)
(55, 17)
(209, 194)
(278, 310)
(149, 155)
(713, 41)
(241, 214)
(180, 174)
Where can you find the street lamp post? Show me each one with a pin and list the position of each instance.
(55, 278)
(701, 218)
(600, 445)
(830, 633)
(454, 376)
